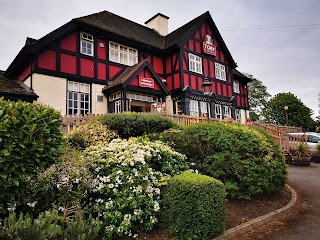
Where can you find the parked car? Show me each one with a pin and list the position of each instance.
(312, 139)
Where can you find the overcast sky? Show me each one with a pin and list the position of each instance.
(285, 59)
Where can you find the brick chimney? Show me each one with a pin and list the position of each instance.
(158, 22)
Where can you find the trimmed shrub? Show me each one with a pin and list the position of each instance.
(125, 194)
(134, 124)
(29, 137)
(194, 206)
(246, 160)
(92, 133)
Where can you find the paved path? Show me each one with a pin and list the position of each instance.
(304, 222)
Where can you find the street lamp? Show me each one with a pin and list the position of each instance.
(207, 90)
(286, 109)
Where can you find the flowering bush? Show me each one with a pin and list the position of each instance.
(65, 183)
(92, 133)
(125, 189)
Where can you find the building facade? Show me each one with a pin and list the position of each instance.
(103, 63)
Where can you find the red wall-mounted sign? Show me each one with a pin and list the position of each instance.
(208, 46)
(146, 82)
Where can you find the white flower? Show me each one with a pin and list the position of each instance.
(32, 205)
(156, 206)
(111, 185)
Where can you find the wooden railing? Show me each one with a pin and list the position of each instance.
(279, 133)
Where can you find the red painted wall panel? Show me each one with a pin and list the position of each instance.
(238, 100)
(86, 68)
(215, 42)
(214, 89)
(147, 75)
(191, 44)
(158, 65)
(68, 63)
(222, 56)
(176, 78)
(229, 91)
(25, 72)
(185, 64)
(205, 67)
(47, 60)
(198, 35)
(218, 55)
(212, 72)
(186, 79)
(168, 65)
(135, 81)
(224, 87)
(193, 82)
(113, 70)
(200, 81)
(219, 89)
(228, 74)
(243, 101)
(102, 74)
(198, 47)
(209, 31)
(203, 29)
(169, 83)
(70, 43)
(101, 51)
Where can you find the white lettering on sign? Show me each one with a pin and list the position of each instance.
(146, 82)
(208, 46)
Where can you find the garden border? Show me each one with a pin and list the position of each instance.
(257, 222)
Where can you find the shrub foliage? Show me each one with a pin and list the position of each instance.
(194, 206)
(92, 133)
(134, 124)
(29, 137)
(246, 160)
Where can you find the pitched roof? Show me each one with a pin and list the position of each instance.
(129, 73)
(113, 23)
(14, 88)
(240, 76)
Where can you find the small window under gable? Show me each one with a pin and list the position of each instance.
(195, 63)
(236, 86)
(220, 71)
(86, 44)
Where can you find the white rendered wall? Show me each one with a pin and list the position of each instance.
(98, 107)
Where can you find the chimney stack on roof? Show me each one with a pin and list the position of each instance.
(158, 22)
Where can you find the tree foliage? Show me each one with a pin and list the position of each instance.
(258, 96)
(297, 114)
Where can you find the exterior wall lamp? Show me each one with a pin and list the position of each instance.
(206, 86)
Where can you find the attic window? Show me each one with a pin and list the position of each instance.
(86, 44)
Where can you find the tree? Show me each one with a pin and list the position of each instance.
(287, 109)
(258, 96)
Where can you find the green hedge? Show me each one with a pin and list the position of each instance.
(194, 206)
(29, 137)
(134, 124)
(245, 159)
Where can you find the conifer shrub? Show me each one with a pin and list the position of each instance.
(30, 137)
(92, 133)
(246, 160)
(135, 124)
(194, 206)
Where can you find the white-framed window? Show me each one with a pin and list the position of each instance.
(141, 97)
(220, 71)
(122, 54)
(114, 96)
(204, 108)
(195, 63)
(236, 86)
(117, 106)
(178, 107)
(237, 115)
(226, 112)
(86, 44)
(78, 98)
(217, 111)
(194, 108)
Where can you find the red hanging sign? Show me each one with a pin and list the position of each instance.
(208, 46)
(146, 82)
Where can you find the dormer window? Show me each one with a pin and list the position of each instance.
(86, 44)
